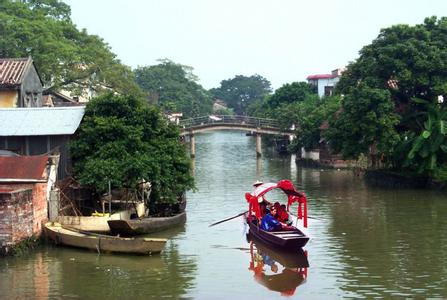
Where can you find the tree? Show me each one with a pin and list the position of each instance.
(384, 87)
(367, 119)
(174, 87)
(240, 91)
(290, 93)
(65, 57)
(122, 140)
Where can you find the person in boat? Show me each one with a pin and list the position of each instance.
(282, 214)
(263, 208)
(269, 221)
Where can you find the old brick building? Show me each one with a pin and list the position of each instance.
(25, 182)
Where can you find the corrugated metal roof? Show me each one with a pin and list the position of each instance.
(40, 120)
(23, 167)
(12, 70)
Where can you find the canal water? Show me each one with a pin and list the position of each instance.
(366, 242)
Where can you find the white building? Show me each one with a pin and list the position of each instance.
(325, 83)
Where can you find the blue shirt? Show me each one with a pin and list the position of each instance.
(269, 223)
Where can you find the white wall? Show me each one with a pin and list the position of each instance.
(326, 82)
(314, 155)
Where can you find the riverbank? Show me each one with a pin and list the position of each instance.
(392, 179)
(23, 247)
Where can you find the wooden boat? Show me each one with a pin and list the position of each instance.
(285, 239)
(290, 259)
(102, 243)
(291, 239)
(94, 223)
(145, 225)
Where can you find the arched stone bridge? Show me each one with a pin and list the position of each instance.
(257, 126)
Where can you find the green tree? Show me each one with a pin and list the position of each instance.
(239, 92)
(290, 93)
(175, 88)
(65, 57)
(403, 65)
(367, 119)
(122, 140)
(429, 148)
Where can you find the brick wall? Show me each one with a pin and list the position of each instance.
(16, 216)
(23, 211)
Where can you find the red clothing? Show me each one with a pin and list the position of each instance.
(282, 216)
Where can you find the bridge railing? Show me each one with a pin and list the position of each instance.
(227, 119)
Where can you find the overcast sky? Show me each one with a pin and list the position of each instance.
(281, 40)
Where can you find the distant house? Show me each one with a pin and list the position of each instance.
(325, 83)
(25, 185)
(40, 130)
(56, 99)
(20, 84)
(174, 117)
(219, 105)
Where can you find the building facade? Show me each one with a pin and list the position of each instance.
(42, 130)
(325, 83)
(25, 183)
(20, 84)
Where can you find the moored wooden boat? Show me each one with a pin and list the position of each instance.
(146, 225)
(103, 243)
(94, 223)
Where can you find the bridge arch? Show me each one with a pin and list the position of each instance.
(258, 126)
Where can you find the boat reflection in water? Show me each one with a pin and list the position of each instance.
(278, 270)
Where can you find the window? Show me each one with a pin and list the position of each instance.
(328, 90)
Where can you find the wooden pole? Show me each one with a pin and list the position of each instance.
(110, 198)
(192, 145)
(258, 145)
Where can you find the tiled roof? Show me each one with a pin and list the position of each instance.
(22, 167)
(12, 70)
(34, 121)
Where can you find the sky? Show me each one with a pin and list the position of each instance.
(282, 40)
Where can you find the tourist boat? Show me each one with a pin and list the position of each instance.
(290, 239)
(146, 225)
(102, 243)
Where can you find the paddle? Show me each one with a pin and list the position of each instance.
(228, 219)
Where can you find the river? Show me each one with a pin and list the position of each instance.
(365, 242)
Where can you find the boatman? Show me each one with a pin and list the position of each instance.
(261, 200)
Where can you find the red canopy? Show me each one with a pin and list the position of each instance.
(287, 187)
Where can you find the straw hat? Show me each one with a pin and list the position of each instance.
(257, 182)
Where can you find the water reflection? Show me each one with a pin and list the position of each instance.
(366, 242)
(279, 271)
(84, 274)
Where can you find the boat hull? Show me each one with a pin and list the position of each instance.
(287, 240)
(96, 224)
(146, 225)
(102, 243)
(295, 258)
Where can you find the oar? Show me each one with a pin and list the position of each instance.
(228, 219)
